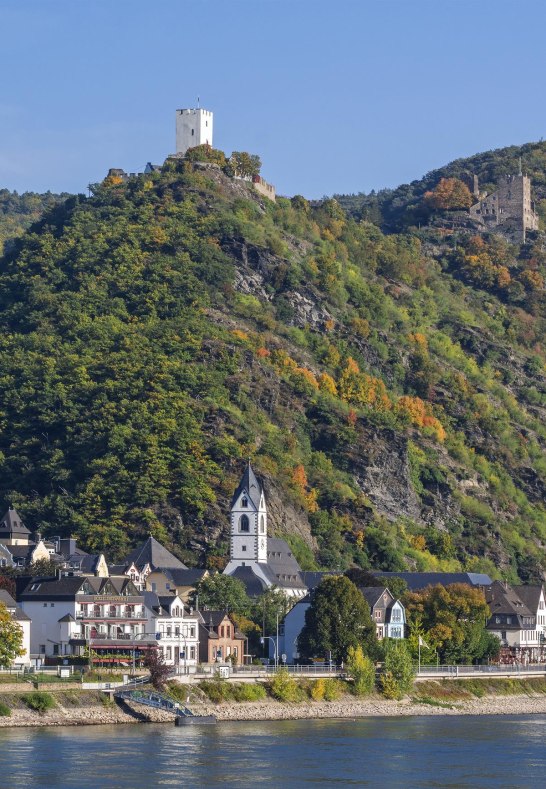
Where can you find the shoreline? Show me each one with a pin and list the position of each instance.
(98, 714)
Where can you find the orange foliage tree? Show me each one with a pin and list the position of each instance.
(450, 194)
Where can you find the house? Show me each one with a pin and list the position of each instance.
(130, 570)
(19, 616)
(219, 639)
(12, 529)
(388, 614)
(176, 629)
(534, 598)
(67, 555)
(255, 558)
(150, 556)
(72, 612)
(514, 623)
(18, 549)
(169, 580)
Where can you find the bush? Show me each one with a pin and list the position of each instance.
(332, 690)
(218, 690)
(362, 670)
(249, 691)
(283, 687)
(39, 701)
(389, 686)
(318, 689)
(398, 671)
(5, 711)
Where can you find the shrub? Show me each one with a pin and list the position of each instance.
(318, 689)
(249, 691)
(332, 690)
(389, 686)
(362, 670)
(39, 701)
(398, 671)
(283, 687)
(218, 690)
(5, 711)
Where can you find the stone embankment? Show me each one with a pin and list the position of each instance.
(92, 712)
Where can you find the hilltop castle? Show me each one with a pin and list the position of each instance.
(508, 210)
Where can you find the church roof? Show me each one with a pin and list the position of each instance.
(250, 485)
(254, 585)
(12, 524)
(283, 564)
(153, 553)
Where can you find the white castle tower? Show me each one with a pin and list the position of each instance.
(193, 127)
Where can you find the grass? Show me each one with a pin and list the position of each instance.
(5, 711)
(433, 702)
(464, 689)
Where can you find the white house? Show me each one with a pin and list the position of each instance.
(176, 629)
(513, 622)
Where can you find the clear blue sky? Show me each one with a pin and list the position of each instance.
(337, 96)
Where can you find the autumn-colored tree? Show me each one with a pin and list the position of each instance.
(11, 638)
(453, 619)
(449, 194)
(206, 153)
(245, 165)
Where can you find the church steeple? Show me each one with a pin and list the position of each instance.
(248, 536)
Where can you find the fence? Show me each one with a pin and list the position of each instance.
(482, 671)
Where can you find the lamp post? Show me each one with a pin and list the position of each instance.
(270, 638)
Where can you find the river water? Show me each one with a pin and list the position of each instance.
(435, 751)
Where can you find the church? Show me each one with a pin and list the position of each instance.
(259, 561)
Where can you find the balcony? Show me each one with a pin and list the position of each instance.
(92, 615)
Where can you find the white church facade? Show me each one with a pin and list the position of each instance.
(261, 562)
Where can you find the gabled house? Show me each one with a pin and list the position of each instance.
(12, 529)
(74, 612)
(19, 616)
(176, 628)
(18, 549)
(175, 580)
(219, 639)
(534, 598)
(68, 555)
(512, 622)
(388, 614)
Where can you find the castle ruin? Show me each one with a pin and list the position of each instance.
(508, 210)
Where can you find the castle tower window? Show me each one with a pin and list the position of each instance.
(192, 132)
(244, 523)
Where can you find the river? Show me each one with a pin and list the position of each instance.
(477, 751)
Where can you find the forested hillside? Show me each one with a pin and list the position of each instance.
(18, 212)
(398, 209)
(389, 389)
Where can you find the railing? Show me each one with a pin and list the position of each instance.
(157, 700)
(313, 670)
(93, 615)
(466, 671)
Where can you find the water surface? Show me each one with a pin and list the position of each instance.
(466, 751)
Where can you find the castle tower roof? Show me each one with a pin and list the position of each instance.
(249, 485)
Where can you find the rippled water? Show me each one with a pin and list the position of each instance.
(485, 751)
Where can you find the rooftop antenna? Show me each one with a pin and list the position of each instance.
(198, 102)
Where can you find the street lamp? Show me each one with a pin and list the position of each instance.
(270, 638)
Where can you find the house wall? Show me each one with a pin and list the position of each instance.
(193, 127)
(292, 627)
(46, 628)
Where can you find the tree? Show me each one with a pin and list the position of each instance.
(398, 672)
(362, 670)
(453, 619)
(338, 618)
(270, 607)
(11, 638)
(222, 593)
(448, 195)
(205, 153)
(159, 671)
(245, 165)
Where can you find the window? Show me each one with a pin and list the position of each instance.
(396, 615)
(55, 649)
(262, 524)
(169, 631)
(42, 649)
(244, 548)
(222, 632)
(377, 614)
(228, 631)
(497, 620)
(192, 632)
(244, 502)
(192, 132)
(45, 605)
(396, 632)
(508, 620)
(244, 523)
(169, 652)
(192, 653)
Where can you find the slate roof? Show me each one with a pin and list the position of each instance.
(185, 577)
(67, 618)
(312, 578)
(21, 551)
(214, 619)
(67, 586)
(530, 595)
(153, 553)
(11, 523)
(503, 599)
(416, 581)
(16, 613)
(283, 564)
(7, 599)
(254, 585)
(250, 485)
(373, 593)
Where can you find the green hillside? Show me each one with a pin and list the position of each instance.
(19, 211)
(395, 210)
(389, 389)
